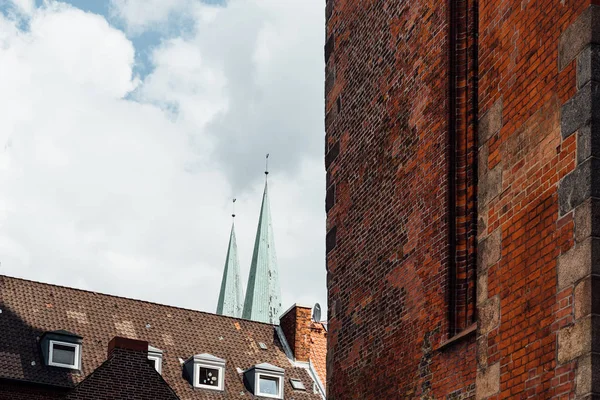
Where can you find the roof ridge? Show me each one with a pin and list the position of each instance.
(132, 299)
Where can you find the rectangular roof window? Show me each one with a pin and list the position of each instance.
(297, 384)
(269, 386)
(62, 354)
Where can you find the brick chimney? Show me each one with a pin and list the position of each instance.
(296, 325)
(128, 345)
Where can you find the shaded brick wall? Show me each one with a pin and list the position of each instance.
(11, 390)
(393, 273)
(126, 374)
(387, 146)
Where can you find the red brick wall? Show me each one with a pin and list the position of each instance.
(296, 326)
(396, 282)
(387, 83)
(522, 159)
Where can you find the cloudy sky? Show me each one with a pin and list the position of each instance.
(127, 127)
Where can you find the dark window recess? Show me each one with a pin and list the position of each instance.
(209, 376)
(330, 239)
(332, 154)
(329, 46)
(269, 385)
(152, 362)
(63, 354)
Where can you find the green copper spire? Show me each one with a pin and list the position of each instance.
(231, 296)
(263, 295)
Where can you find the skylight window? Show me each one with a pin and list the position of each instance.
(64, 355)
(297, 384)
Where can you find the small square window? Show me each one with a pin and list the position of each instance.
(269, 386)
(297, 384)
(209, 377)
(64, 355)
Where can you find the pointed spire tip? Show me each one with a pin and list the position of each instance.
(267, 164)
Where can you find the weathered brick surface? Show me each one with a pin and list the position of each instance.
(387, 145)
(389, 264)
(296, 325)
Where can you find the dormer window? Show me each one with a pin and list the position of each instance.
(205, 371)
(155, 357)
(265, 380)
(61, 349)
(62, 354)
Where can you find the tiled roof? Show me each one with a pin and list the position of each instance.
(28, 309)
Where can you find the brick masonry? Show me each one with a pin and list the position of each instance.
(390, 204)
(296, 325)
(387, 156)
(126, 374)
(578, 192)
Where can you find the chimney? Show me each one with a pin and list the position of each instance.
(296, 325)
(129, 345)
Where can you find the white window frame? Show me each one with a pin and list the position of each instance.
(297, 382)
(197, 383)
(157, 362)
(77, 348)
(279, 378)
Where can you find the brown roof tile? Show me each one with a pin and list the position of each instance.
(29, 309)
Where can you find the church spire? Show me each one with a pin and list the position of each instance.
(263, 295)
(231, 296)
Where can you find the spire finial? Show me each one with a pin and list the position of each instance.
(267, 165)
(233, 207)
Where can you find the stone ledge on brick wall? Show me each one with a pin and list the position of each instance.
(490, 185)
(588, 65)
(585, 379)
(578, 262)
(585, 30)
(488, 382)
(579, 185)
(489, 315)
(575, 340)
(588, 145)
(482, 352)
(581, 110)
(490, 250)
(491, 122)
(482, 288)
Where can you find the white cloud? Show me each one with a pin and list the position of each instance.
(131, 195)
(25, 7)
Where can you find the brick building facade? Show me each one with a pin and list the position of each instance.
(461, 145)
